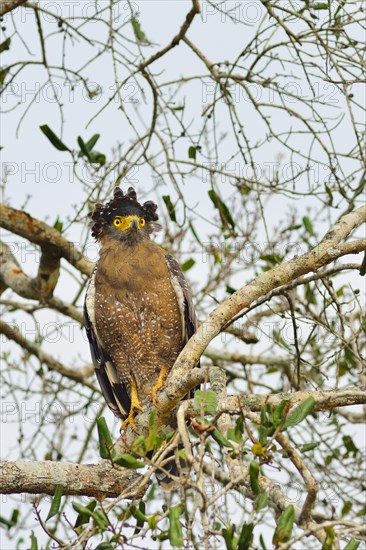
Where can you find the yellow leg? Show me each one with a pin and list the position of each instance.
(134, 409)
(159, 384)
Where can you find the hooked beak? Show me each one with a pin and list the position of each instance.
(134, 225)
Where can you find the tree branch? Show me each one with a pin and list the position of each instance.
(43, 235)
(9, 5)
(92, 480)
(327, 251)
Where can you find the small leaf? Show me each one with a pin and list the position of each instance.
(192, 152)
(104, 546)
(308, 225)
(300, 412)
(138, 32)
(254, 470)
(259, 450)
(321, 6)
(97, 158)
(346, 508)
(139, 514)
(175, 526)
(261, 502)
(105, 439)
(170, 208)
(84, 151)
(352, 545)
(5, 45)
(92, 141)
(101, 519)
(284, 526)
(329, 193)
(34, 543)
(221, 440)
(128, 461)
(205, 400)
(308, 447)
(58, 225)
(3, 74)
(56, 142)
(278, 414)
(188, 264)
(194, 233)
(56, 501)
(222, 208)
(246, 536)
(228, 535)
(85, 512)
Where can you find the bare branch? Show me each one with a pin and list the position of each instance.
(93, 480)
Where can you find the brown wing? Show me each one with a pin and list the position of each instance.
(184, 297)
(114, 391)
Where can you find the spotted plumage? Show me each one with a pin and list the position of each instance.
(138, 308)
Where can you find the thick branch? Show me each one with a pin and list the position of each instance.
(92, 480)
(9, 5)
(43, 235)
(326, 252)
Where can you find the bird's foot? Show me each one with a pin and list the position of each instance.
(130, 420)
(159, 384)
(135, 408)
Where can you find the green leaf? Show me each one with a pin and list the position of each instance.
(34, 543)
(221, 440)
(138, 32)
(218, 203)
(5, 45)
(170, 208)
(329, 193)
(56, 142)
(246, 536)
(175, 526)
(58, 225)
(85, 512)
(321, 6)
(84, 151)
(56, 501)
(308, 447)
(192, 152)
(139, 514)
(261, 501)
(278, 414)
(254, 470)
(308, 225)
(352, 545)
(188, 264)
(97, 158)
(92, 141)
(101, 519)
(3, 74)
(205, 400)
(129, 461)
(228, 535)
(262, 543)
(194, 233)
(104, 546)
(300, 412)
(106, 449)
(284, 526)
(346, 508)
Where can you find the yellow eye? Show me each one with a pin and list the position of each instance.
(116, 222)
(141, 222)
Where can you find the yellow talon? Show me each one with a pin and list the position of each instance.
(134, 409)
(159, 384)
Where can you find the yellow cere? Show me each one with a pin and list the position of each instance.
(123, 222)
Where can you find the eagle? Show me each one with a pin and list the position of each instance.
(138, 309)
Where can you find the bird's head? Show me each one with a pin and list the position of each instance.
(123, 218)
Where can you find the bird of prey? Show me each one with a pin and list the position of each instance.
(138, 308)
